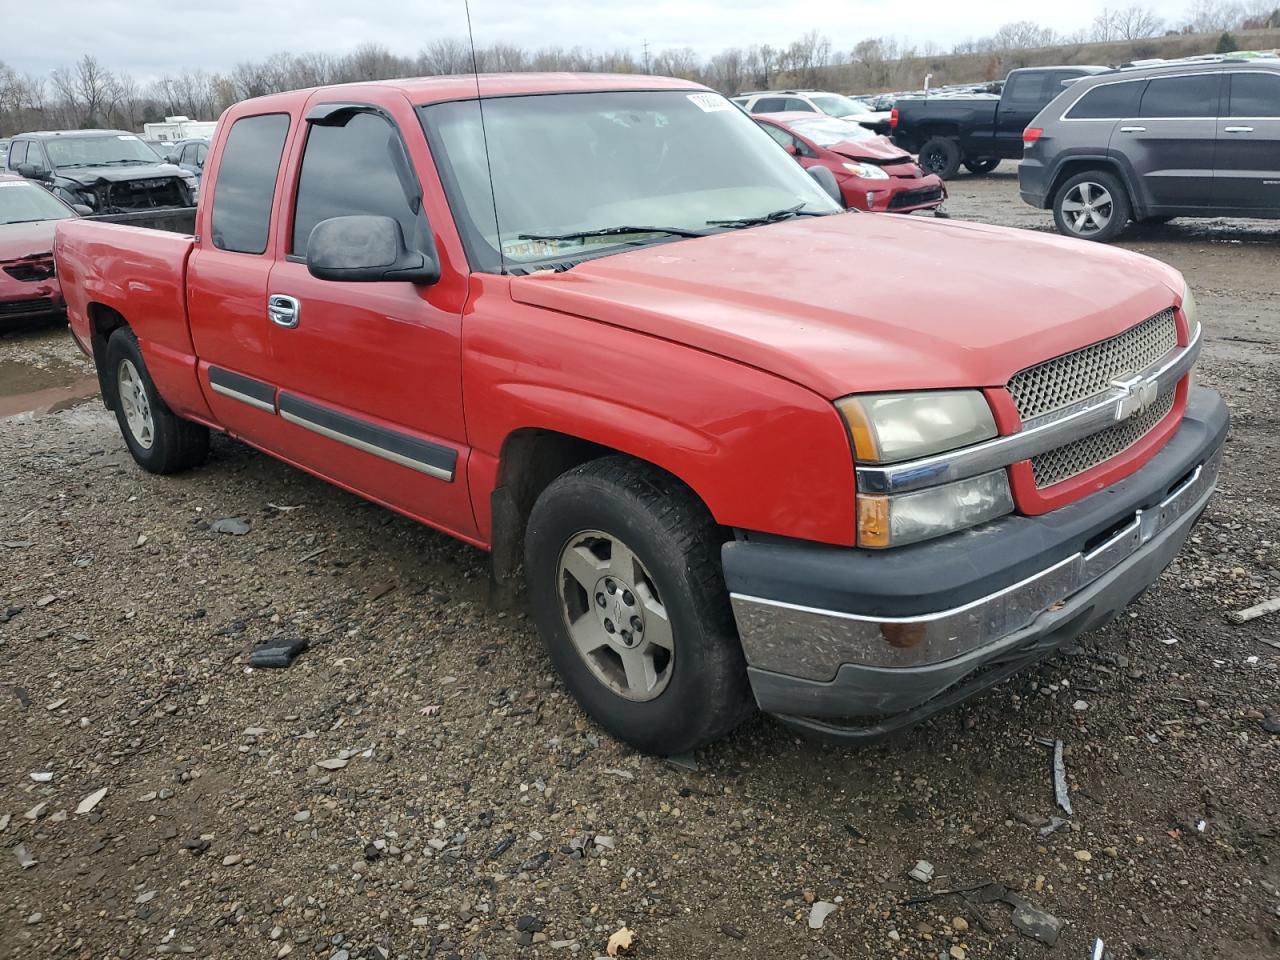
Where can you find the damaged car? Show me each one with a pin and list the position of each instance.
(102, 171)
(28, 281)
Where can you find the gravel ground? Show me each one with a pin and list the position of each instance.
(418, 785)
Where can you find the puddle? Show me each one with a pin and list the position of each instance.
(30, 391)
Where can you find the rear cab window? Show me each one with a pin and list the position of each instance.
(1254, 95)
(246, 183)
(1186, 97)
(1110, 101)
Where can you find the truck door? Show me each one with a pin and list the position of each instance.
(227, 279)
(370, 374)
(1247, 166)
(1021, 100)
(1170, 145)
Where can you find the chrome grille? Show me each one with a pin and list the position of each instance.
(1075, 458)
(1076, 376)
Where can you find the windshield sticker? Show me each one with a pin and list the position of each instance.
(710, 102)
(126, 136)
(12, 183)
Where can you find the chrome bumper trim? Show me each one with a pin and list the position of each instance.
(812, 643)
(1037, 436)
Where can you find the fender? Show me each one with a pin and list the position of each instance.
(1093, 158)
(762, 453)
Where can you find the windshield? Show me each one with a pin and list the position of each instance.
(26, 202)
(834, 105)
(828, 130)
(567, 164)
(116, 148)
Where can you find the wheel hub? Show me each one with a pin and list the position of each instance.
(619, 612)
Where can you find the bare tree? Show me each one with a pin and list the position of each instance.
(445, 56)
(1137, 23)
(727, 71)
(88, 91)
(1023, 35)
(1213, 16)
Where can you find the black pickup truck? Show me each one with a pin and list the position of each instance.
(978, 130)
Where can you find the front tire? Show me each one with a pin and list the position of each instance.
(1092, 205)
(626, 589)
(982, 166)
(159, 440)
(940, 155)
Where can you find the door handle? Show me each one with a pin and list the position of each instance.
(1237, 129)
(283, 311)
(1133, 129)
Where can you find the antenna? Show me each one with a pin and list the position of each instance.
(484, 135)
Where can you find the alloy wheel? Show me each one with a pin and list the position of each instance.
(614, 615)
(1088, 208)
(134, 403)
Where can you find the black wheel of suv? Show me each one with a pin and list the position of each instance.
(940, 155)
(1092, 206)
(160, 441)
(625, 586)
(982, 166)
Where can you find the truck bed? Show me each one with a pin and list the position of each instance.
(133, 272)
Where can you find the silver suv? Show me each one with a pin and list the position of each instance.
(1189, 140)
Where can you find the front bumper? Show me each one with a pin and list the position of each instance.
(897, 194)
(892, 637)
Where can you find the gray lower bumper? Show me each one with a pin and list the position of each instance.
(812, 665)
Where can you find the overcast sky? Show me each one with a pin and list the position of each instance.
(151, 37)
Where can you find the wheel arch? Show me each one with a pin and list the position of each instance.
(104, 320)
(1070, 166)
(530, 460)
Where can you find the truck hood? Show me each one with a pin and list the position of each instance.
(867, 302)
(88, 176)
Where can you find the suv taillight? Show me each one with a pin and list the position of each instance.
(1030, 136)
(893, 118)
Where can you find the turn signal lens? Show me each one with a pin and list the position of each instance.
(893, 521)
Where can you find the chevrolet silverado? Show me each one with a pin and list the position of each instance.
(748, 449)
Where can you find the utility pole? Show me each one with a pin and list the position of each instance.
(645, 48)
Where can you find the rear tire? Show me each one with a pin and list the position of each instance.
(982, 166)
(159, 440)
(1092, 205)
(940, 155)
(625, 586)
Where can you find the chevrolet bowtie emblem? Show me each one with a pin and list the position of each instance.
(1136, 395)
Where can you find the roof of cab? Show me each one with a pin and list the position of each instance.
(423, 90)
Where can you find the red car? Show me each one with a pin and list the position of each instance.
(28, 217)
(873, 174)
(747, 447)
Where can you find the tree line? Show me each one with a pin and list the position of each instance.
(88, 93)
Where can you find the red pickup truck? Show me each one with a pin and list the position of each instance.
(750, 449)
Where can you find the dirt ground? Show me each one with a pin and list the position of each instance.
(418, 785)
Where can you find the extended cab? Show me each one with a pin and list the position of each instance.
(978, 130)
(608, 330)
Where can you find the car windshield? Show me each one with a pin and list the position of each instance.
(834, 105)
(116, 148)
(828, 130)
(22, 202)
(564, 165)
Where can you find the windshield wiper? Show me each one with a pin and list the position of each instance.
(133, 160)
(612, 232)
(785, 214)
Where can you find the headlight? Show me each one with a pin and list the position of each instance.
(910, 517)
(1190, 311)
(868, 171)
(888, 427)
(193, 185)
(892, 427)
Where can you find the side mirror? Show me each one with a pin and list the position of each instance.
(32, 172)
(793, 149)
(827, 181)
(172, 158)
(81, 209)
(366, 249)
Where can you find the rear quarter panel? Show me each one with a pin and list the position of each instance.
(141, 275)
